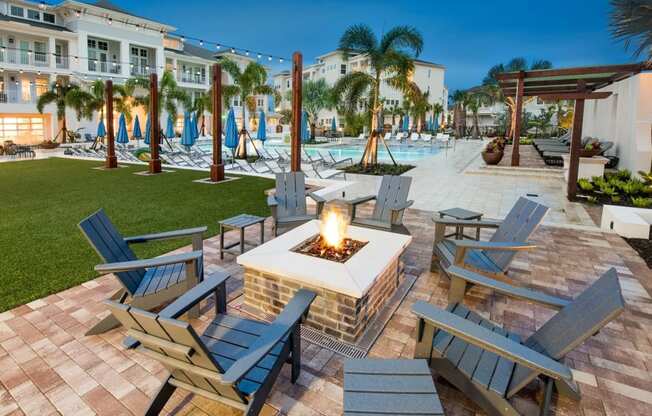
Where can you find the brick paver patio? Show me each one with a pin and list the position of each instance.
(48, 366)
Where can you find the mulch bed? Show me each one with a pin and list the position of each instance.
(643, 248)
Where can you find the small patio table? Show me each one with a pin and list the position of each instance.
(240, 222)
(464, 215)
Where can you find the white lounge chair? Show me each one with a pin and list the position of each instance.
(414, 137)
(312, 172)
(426, 138)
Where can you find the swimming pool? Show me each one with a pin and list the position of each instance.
(401, 153)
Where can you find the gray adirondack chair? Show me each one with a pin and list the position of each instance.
(391, 203)
(491, 258)
(491, 365)
(288, 203)
(235, 361)
(145, 283)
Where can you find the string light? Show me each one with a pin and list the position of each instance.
(232, 50)
(78, 13)
(201, 43)
(110, 21)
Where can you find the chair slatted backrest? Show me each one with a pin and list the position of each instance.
(291, 194)
(521, 221)
(594, 308)
(176, 345)
(393, 191)
(111, 247)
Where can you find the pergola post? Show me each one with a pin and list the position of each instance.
(297, 79)
(217, 168)
(516, 136)
(111, 159)
(155, 134)
(576, 144)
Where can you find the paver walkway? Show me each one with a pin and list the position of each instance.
(48, 366)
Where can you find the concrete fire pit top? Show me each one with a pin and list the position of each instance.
(352, 278)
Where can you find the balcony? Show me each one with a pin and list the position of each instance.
(24, 57)
(62, 62)
(104, 67)
(26, 96)
(192, 78)
(142, 71)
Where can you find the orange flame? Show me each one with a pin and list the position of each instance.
(333, 228)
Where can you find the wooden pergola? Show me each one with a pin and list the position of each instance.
(578, 84)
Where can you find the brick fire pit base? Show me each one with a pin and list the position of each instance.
(339, 315)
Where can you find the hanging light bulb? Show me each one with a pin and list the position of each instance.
(247, 53)
(137, 27)
(201, 43)
(110, 21)
(78, 13)
(259, 55)
(269, 58)
(232, 50)
(218, 46)
(280, 60)
(183, 38)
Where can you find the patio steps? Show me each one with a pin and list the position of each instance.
(544, 173)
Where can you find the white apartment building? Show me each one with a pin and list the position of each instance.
(82, 42)
(428, 76)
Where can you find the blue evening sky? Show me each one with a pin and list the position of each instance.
(468, 37)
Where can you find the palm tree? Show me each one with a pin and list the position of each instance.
(420, 107)
(631, 21)
(122, 100)
(437, 109)
(477, 98)
(200, 105)
(170, 95)
(64, 95)
(315, 97)
(246, 84)
(460, 100)
(390, 59)
(491, 84)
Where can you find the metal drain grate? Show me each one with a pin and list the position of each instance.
(330, 343)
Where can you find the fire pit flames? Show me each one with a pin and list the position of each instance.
(331, 243)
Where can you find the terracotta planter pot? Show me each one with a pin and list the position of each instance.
(49, 145)
(493, 158)
(589, 153)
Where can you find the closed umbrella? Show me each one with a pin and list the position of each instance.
(406, 123)
(195, 130)
(305, 135)
(262, 128)
(137, 133)
(101, 130)
(122, 136)
(435, 126)
(169, 128)
(231, 131)
(187, 136)
(333, 125)
(148, 128)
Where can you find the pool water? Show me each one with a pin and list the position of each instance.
(401, 153)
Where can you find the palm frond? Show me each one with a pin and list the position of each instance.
(358, 39)
(228, 92)
(631, 22)
(44, 99)
(402, 38)
(264, 90)
(231, 68)
(516, 64)
(351, 88)
(541, 64)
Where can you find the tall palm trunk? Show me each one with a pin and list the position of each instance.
(476, 127)
(241, 150)
(370, 155)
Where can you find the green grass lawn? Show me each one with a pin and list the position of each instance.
(43, 252)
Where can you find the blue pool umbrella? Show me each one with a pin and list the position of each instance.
(262, 128)
(187, 136)
(195, 129)
(101, 130)
(137, 133)
(231, 131)
(333, 124)
(148, 128)
(122, 137)
(406, 123)
(305, 134)
(169, 128)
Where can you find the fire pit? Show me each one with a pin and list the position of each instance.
(353, 275)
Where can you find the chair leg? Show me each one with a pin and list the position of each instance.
(162, 396)
(457, 290)
(104, 325)
(296, 353)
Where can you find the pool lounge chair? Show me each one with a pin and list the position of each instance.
(391, 203)
(313, 160)
(426, 138)
(491, 365)
(414, 137)
(236, 361)
(330, 161)
(312, 171)
(288, 203)
(146, 283)
(555, 157)
(245, 166)
(490, 258)
(274, 166)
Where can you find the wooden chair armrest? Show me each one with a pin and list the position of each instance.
(143, 264)
(272, 201)
(165, 235)
(401, 207)
(505, 288)
(467, 223)
(490, 341)
(361, 200)
(192, 297)
(316, 197)
(488, 245)
(291, 315)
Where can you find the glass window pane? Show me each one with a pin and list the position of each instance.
(33, 14)
(48, 17)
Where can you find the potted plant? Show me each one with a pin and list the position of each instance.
(493, 152)
(591, 149)
(49, 144)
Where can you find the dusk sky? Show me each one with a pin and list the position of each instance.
(468, 37)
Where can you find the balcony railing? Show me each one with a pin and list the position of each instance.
(142, 70)
(15, 96)
(24, 57)
(104, 67)
(62, 62)
(192, 78)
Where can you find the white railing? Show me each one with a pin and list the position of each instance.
(24, 57)
(191, 78)
(142, 70)
(16, 96)
(104, 67)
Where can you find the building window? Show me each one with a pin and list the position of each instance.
(343, 69)
(33, 14)
(48, 18)
(260, 102)
(429, 71)
(40, 57)
(288, 84)
(22, 129)
(17, 11)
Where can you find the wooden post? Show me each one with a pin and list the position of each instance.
(516, 137)
(297, 79)
(111, 160)
(217, 168)
(155, 134)
(576, 148)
